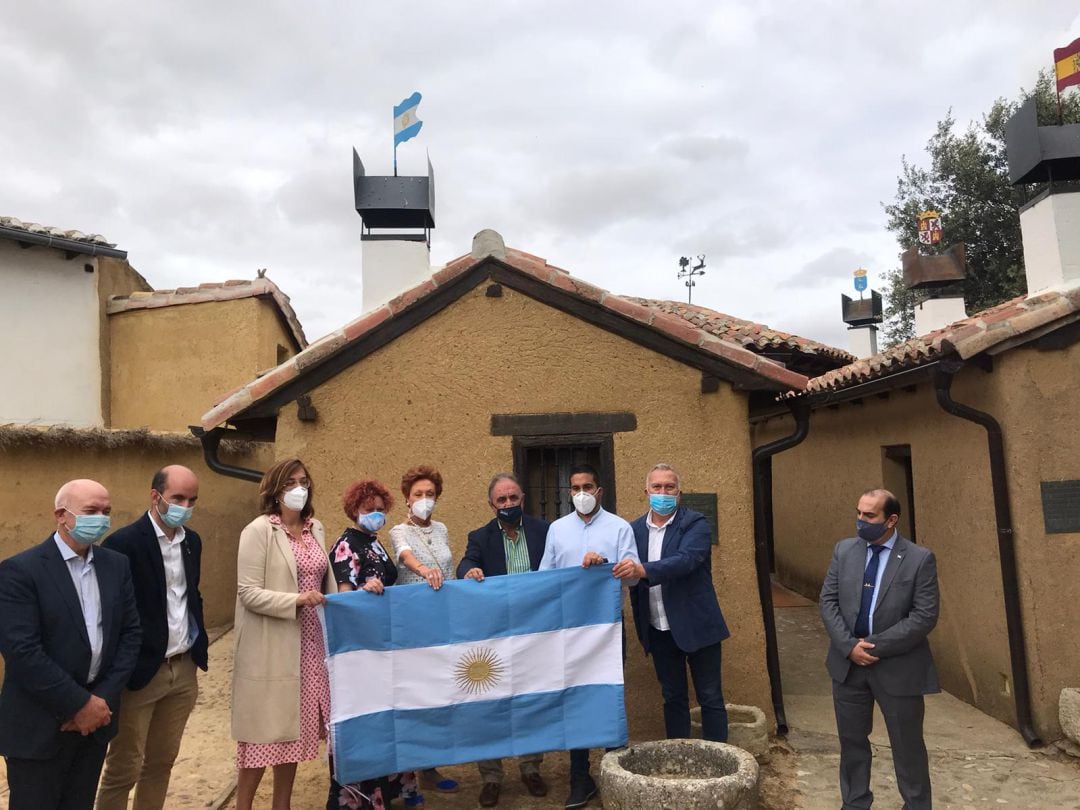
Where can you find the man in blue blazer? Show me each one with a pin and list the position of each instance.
(165, 554)
(676, 613)
(511, 543)
(69, 635)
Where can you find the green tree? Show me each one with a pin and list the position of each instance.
(967, 183)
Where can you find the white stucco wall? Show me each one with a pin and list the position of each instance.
(51, 368)
(1051, 231)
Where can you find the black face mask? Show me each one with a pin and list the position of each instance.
(510, 514)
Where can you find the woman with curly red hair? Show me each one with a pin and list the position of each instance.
(361, 563)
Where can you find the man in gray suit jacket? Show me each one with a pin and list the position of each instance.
(879, 603)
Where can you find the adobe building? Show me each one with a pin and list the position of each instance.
(973, 425)
(500, 361)
(108, 375)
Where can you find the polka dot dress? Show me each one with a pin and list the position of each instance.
(311, 563)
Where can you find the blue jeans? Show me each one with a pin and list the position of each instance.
(670, 664)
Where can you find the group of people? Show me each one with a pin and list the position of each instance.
(101, 642)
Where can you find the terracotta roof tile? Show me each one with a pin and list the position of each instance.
(231, 290)
(757, 337)
(48, 230)
(966, 338)
(663, 321)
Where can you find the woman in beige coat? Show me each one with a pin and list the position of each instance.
(281, 693)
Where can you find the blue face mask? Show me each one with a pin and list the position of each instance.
(88, 529)
(870, 532)
(176, 515)
(663, 504)
(371, 522)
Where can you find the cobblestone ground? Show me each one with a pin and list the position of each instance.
(976, 761)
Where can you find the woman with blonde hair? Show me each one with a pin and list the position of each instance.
(281, 692)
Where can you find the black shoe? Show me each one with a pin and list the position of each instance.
(581, 791)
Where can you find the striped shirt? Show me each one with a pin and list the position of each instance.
(517, 552)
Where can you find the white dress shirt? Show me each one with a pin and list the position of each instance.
(570, 537)
(84, 578)
(657, 614)
(180, 630)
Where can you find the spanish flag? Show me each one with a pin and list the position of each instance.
(1067, 65)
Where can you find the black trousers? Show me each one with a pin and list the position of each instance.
(853, 701)
(67, 781)
(670, 664)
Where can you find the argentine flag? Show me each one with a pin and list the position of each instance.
(477, 670)
(406, 124)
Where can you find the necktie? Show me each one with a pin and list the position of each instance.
(862, 623)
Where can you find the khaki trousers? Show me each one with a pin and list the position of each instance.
(491, 770)
(151, 725)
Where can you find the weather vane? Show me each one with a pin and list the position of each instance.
(688, 272)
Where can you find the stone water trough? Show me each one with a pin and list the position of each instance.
(747, 728)
(677, 775)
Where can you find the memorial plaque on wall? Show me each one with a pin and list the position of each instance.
(1061, 506)
(704, 502)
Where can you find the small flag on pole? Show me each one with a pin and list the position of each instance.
(406, 124)
(1067, 65)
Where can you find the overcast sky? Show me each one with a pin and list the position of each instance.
(212, 139)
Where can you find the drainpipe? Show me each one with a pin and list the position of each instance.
(1006, 547)
(211, 439)
(800, 409)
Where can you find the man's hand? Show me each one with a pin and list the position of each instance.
(628, 569)
(93, 715)
(373, 585)
(310, 598)
(859, 654)
(475, 573)
(592, 558)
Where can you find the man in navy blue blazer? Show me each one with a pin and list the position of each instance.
(511, 543)
(69, 635)
(676, 613)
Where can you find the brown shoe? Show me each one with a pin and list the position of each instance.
(535, 783)
(489, 794)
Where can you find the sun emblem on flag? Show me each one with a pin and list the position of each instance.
(478, 670)
(405, 119)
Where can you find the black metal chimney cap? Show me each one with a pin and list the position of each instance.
(1040, 154)
(394, 202)
(862, 311)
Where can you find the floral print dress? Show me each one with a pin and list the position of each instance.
(356, 557)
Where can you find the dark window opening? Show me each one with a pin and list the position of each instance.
(897, 477)
(542, 464)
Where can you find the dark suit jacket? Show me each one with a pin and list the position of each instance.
(47, 652)
(905, 613)
(684, 574)
(485, 547)
(138, 542)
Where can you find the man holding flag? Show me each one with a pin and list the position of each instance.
(589, 536)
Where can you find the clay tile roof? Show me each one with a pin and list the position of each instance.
(48, 230)
(1027, 315)
(227, 291)
(534, 268)
(757, 337)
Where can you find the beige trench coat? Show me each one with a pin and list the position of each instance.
(266, 670)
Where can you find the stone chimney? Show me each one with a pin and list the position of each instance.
(862, 317)
(1050, 222)
(398, 214)
(938, 282)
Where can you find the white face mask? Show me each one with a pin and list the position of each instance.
(584, 502)
(423, 508)
(295, 498)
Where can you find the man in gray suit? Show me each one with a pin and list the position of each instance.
(879, 603)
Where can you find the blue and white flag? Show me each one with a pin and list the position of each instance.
(477, 670)
(406, 124)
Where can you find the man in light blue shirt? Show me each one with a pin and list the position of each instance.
(589, 536)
